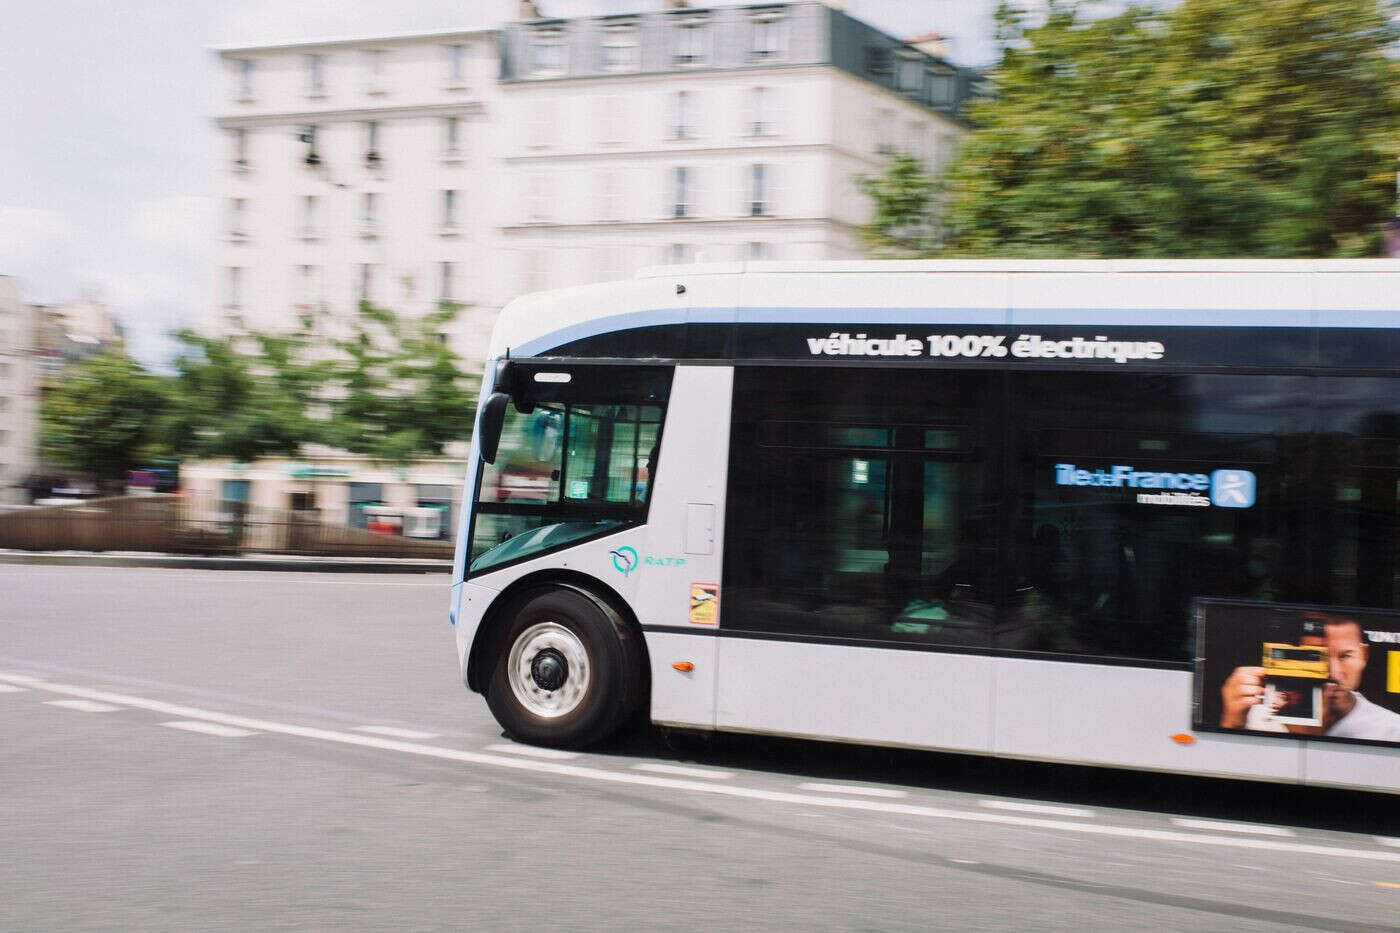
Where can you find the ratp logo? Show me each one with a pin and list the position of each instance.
(1232, 489)
(624, 560)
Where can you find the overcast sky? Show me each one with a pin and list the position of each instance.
(107, 149)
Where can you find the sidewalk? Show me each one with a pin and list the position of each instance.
(239, 562)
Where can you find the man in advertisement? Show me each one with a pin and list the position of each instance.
(1249, 703)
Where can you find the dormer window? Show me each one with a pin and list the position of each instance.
(547, 52)
(769, 35)
(941, 87)
(620, 50)
(691, 34)
(909, 76)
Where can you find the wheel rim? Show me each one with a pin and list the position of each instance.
(542, 656)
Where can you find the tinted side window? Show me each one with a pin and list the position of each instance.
(1138, 493)
(863, 504)
(1359, 487)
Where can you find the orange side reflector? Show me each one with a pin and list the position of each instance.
(685, 667)
(1184, 738)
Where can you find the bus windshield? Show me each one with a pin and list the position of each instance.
(575, 460)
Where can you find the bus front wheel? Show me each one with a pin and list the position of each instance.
(568, 670)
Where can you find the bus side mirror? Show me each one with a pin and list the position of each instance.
(493, 417)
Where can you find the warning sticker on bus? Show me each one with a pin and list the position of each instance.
(704, 603)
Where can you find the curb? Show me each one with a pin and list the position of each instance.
(268, 562)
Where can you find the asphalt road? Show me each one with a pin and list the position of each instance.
(264, 751)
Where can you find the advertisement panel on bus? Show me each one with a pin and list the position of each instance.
(1303, 671)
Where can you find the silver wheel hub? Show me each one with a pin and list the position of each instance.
(549, 670)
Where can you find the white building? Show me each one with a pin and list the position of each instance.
(478, 165)
(684, 134)
(358, 169)
(18, 392)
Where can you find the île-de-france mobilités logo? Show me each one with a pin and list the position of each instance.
(624, 560)
(1232, 489)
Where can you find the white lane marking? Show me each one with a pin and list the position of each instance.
(11, 688)
(1254, 829)
(853, 789)
(682, 771)
(85, 706)
(724, 790)
(553, 754)
(395, 733)
(1034, 808)
(209, 728)
(1385, 841)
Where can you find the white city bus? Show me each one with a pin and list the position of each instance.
(1065, 511)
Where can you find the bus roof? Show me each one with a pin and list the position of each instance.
(1156, 293)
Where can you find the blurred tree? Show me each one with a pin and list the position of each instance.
(1205, 128)
(101, 417)
(903, 197)
(400, 390)
(243, 396)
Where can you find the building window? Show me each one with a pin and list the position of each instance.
(681, 182)
(307, 291)
(760, 193)
(679, 254)
(606, 189)
(762, 112)
(369, 216)
(610, 119)
(884, 132)
(367, 281)
(374, 71)
(691, 41)
(910, 74)
(682, 115)
(310, 217)
(316, 75)
(759, 252)
(237, 217)
(308, 136)
(245, 79)
(373, 158)
(537, 206)
(451, 136)
(447, 284)
(449, 209)
(547, 52)
(542, 124)
(536, 276)
(941, 87)
(769, 35)
(234, 295)
(238, 143)
(456, 66)
(620, 50)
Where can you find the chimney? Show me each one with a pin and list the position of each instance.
(676, 4)
(931, 43)
(839, 5)
(529, 11)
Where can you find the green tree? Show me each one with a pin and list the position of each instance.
(1207, 128)
(400, 389)
(903, 197)
(101, 418)
(243, 396)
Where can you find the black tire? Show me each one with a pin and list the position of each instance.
(612, 690)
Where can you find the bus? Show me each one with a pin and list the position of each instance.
(1045, 510)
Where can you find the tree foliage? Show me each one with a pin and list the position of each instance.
(399, 392)
(1205, 128)
(101, 419)
(393, 389)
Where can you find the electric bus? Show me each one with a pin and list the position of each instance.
(1046, 510)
